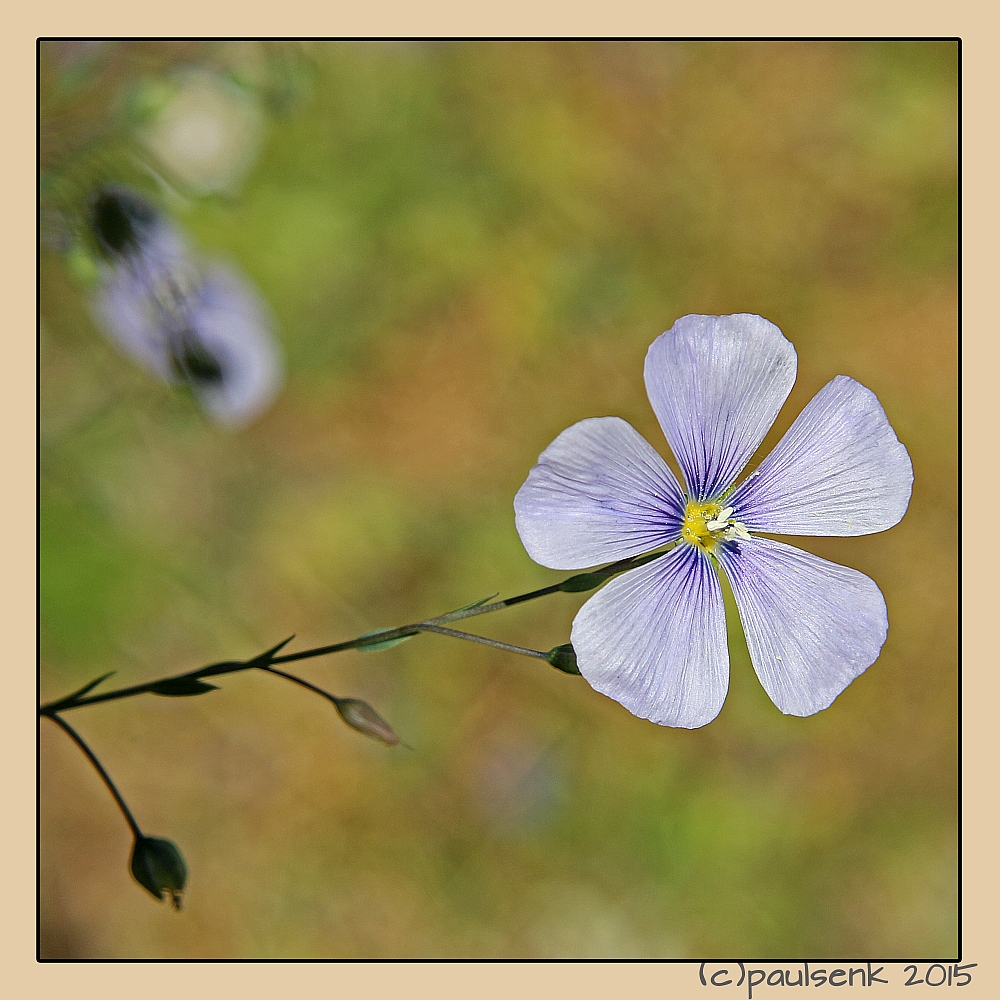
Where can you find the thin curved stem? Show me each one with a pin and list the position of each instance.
(575, 584)
(213, 670)
(99, 767)
(495, 643)
(302, 683)
(359, 715)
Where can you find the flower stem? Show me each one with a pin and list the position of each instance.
(495, 643)
(574, 584)
(303, 683)
(213, 670)
(92, 757)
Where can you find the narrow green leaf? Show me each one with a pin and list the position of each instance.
(475, 604)
(262, 660)
(588, 581)
(370, 647)
(182, 687)
(265, 658)
(583, 581)
(86, 688)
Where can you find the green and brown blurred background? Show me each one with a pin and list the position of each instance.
(467, 247)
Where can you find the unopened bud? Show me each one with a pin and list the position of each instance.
(158, 867)
(361, 716)
(120, 220)
(563, 658)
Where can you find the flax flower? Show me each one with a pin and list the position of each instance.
(200, 325)
(654, 638)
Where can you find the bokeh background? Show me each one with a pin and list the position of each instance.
(467, 247)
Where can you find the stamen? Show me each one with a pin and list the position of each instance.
(705, 525)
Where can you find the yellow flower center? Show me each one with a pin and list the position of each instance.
(707, 524)
(695, 528)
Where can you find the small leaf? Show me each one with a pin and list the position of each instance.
(563, 658)
(159, 868)
(265, 658)
(588, 581)
(361, 716)
(583, 581)
(474, 604)
(262, 660)
(85, 688)
(182, 687)
(370, 647)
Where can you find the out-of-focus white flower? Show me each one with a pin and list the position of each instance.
(205, 327)
(208, 134)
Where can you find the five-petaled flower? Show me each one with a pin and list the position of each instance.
(204, 326)
(654, 638)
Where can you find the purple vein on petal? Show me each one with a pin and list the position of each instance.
(654, 640)
(716, 383)
(811, 626)
(839, 470)
(599, 493)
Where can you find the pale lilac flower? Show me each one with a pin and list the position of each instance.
(654, 638)
(201, 325)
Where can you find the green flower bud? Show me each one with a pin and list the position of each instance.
(158, 867)
(563, 658)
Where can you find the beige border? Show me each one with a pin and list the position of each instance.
(975, 25)
(980, 685)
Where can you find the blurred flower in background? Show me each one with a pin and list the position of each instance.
(515, 782)
(188, 121)
(201, 326)
(207, 132)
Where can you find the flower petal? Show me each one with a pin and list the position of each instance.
(716, 384)
(127, 314)
(599, 493)
(138, 292)
(654, 639)
(839, 470)
(811, 626)
(232, 324)
(218, 321)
